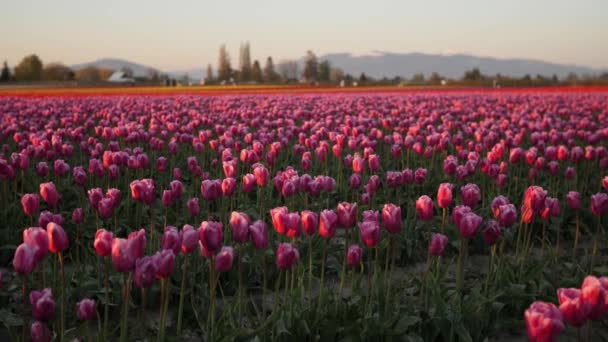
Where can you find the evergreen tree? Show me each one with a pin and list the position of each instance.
(29, 69)
(245, 63)
(270, 74)
(311, 67)
(5, 75)
(256, 72)
(223, 66)
(209, 78)
(324, 71)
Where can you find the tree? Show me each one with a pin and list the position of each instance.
(223, 66)
(324, 71)
(57, 72)
(209, 78)
(5, 75)
(29, 69)
(418, 78)
(435, 79)
(362, 78)
(269, 74)
(88, 74)
(311, 67)
(288, 70)
(153, 75)
(245, 63)
(336, 74)
(472, 75)
(256, 72)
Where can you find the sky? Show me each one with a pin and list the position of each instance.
(182, 34)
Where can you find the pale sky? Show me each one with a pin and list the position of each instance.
(183, 34)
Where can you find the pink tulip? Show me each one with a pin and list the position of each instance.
(43, 305)
(80, 176)
(136, 243)
(507, 215)
(122, 260)
(164, 263)
(77, 216)
(105, 208)
(310, 221)
(167, 198)
(224, 259)
(95, 196)
(49, 193)
(491, 233)
(574, 310)
(228, 186)
(292, 224)
(25, 260)
(469, 224)
(355, 181)
(259, 234)
(424, 208)
(391, 217)
(594, 293)
(347, 214)
(354, 255)
(279, 217)
(544, 322)
(287, 256)
(471, 195)
(211, 189)
(39, 332)
(370, 233)
(534, 198)
(239, 224)
(328, 221)
(211, 236)
(86, 309)
(444, 195)
(261, 175)
(496, 203)
(249, 183)
(605, 183)
(189, 239)
(193, 206)
(39, 238)
(30, 203)
(58, 239)
(171, 240)
(374, 163)
(103, 242)
(573, 199)
(438, 244)
(145, 272)
(599, 204)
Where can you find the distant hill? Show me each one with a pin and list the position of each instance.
(139, 70)
(379, 64)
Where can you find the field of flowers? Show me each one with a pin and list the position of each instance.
(420, 216)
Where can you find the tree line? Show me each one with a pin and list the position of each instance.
(31, 69)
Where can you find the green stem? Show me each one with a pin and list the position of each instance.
(106, 309)
(576, 236)
(310, 266)
(181, 296)
(62, 322)
(125, 309)
(461, 261)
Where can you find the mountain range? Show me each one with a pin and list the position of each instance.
(379, 64)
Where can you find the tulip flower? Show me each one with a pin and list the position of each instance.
(287, 256)
(599, 204)
(43, 305)
(189, 239)
(49, 193)
(103, 242)
(239, 224)
(30, 204)
(347, 214)
(444, 195)
(145, 272)
(544, 322)
(328, 220)
(224, 259)
(594, 293)
(279, 217)
(574, 310)
(310, 221)
(171, 240)
(122, 259)
(86, 309)
(228, 186)
(438, 244)
(40, 332)
(370, 233)
(354, 255)
(471, 195)
(25, 259)
(391, 217)
(507, 215)
(424, 208)
(491, 233)
(39, 238)
(211, 236)
(193, 206)
(259, 234)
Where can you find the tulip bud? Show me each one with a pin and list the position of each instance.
(167, 198)
(599, 204)
(354, 255)
(347, 214)
(171, 240)
(573, 199)
(287, 256)
(38, 237)
(444, 195)
(391, 217)
(211, 236)
(25, 260)
(164, 263)
(77, 216)
(224, 259)
(40, 332)
(310, 221)
(58, 239)
(228, 186)
(86, 309)
(239, 224)
(370, 233)
(30, 203)
(327, 223)
(43, 305)
(424, 207)
(49, 193)
(193, 206)
(279, 217)
(261, 175)
(103, 242)
(438, 244)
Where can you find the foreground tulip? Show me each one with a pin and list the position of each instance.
(424, 208)
(354, 255)
(40, 332)
(279, 217)
(507, 215)
(224, 259)
(544, 322)
(310, 222)
(444, 195)
(239, 224)
(259, 234)
(25, 260)
(58, 239)
(491, 233)
(39, 238)
(86, 309)
(164, 263)
(347, 214)
(370, 233)
(328, 221)
(594, 292)
(189, 239)
(49, 193)
(103, 242)
(471, 195)
(391, 218)
(145, 272)
(469, 224)
(30, 203)
(438, 244)
(122, 260)
(574, 310)
(211, 235)
(43, 305)
(287, 256)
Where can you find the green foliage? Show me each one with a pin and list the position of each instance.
(29, 69)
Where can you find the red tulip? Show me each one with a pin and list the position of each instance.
(122, 260)
(279, 217)
(171, 240)
(224, 259)
(491, 233)
(86, 309)
(211, 236)
(424, 207)
(310, 221)
(438, 244)
(25, 260)
(43, 305)
(49, 193)
(594, 292)
(444, 195)
(39, 238)
(292, 223)
(354, 255)
(574, 310)
(103, 242)
(228, 186)
(328, 220)
(347, 214)
(39, 332)
(58, 239)
(469, 224)
(358, 164)
(259, 234)
(145, 272)
(189, 238)
(471, 195)
(534, 198)
(391, 217)
(164, 263)
(287, 256)
(544, 322)
(599, 204)
(605, 183)
(239, 224)
(370, 233)
(261, 175)
(30, 203)
(496, 203)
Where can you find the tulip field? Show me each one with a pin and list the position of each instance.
(324, 216)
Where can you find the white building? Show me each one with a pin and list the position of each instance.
(120, 77)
